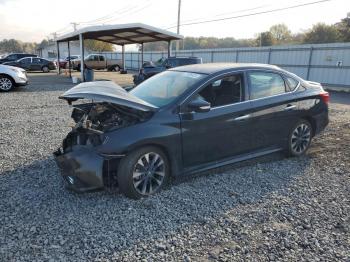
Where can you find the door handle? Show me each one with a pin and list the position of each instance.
(289, 107)
(242, 117)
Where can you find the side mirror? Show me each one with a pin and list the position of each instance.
(199, 105)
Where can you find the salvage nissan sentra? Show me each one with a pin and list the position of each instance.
(184, 120)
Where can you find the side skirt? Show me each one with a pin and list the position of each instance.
(228, 161)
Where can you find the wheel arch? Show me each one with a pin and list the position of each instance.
(111, 67)
(9, 76)
(174, 165)
(312, 121)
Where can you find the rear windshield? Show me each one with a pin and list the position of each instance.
(165, 87)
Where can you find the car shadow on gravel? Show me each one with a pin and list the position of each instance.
(41, 219)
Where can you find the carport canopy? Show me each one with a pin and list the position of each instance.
(120, 34)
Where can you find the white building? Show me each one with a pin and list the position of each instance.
(49, 51)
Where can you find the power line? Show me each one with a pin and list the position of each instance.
(130, 9)
(110, 15)
(221, 14)
(127, 13)
(253, 14)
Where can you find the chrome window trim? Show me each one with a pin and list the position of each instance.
(249, 100)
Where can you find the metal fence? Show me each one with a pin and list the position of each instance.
(325, 63)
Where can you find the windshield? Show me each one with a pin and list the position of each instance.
(165, 87)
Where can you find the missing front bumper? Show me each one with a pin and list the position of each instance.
(81, 168)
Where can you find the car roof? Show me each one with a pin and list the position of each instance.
(211, 68)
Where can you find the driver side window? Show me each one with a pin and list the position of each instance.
(224, 91)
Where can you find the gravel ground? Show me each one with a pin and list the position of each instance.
(268, 209)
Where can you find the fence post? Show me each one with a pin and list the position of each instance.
(309, 64)
(237, 56)
(269, 56)
(212, 56)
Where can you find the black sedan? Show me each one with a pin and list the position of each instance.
(184, 120)
(33, 64)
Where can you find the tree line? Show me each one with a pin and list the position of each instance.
(16, 46)
(278, 34)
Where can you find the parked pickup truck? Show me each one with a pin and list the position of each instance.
(94, 61)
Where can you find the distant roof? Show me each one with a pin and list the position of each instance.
(211, 68)
(122, 34)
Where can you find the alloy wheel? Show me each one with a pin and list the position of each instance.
(5, 84)
(148, 173)
(300, 139)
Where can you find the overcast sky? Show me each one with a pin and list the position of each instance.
(36, 19)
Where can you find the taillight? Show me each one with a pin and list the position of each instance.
(325, 97)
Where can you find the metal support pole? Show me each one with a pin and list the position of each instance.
(237, 55)
(123, 60)
(212, 56)
(269, 56)
(58, 57)
(178, 24)
(69, 63)
(309, 64)
(141, 54)
(169, 49)
(82, 62)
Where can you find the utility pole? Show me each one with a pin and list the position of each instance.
(54, 35)
(74, 24)
(178, 24)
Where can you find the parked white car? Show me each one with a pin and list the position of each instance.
(11, 77)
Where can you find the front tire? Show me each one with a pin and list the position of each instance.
(143, 172)
(299, 138)
(6, 83)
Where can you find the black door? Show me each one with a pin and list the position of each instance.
(222, 132)
(25, 63)
(274, 109)
(36, 64)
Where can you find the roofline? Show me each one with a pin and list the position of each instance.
(90, 29)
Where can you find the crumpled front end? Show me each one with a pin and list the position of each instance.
(81, 168)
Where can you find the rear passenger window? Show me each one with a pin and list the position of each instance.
(225, 91)
(291, 83)
(264, 84)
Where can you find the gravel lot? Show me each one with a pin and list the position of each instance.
(264, 210)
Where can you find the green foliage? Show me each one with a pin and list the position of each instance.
(265, 39)
(13, 46)
(322, 33)
(343, 28)
(201, 43)
(280, 34)
(98, 46)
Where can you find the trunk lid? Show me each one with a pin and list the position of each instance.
(106, 91)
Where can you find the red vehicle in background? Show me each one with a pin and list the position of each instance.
(64, 62)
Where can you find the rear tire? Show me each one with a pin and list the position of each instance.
(115, 68)
(143, 172)
(45, 69)
(6, 83)
(299, 138)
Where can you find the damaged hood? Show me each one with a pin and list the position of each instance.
(106, 91)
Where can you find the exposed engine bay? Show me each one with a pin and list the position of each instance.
(93, 119)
